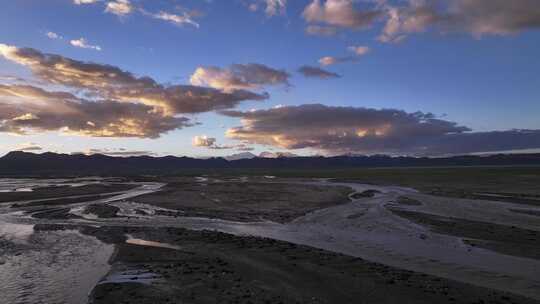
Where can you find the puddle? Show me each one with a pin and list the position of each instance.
(141, 242)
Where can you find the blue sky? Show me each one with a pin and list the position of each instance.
(486, 82)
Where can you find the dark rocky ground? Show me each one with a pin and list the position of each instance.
(64, 191)
(237, 201)
(213, 267)
(102, 210)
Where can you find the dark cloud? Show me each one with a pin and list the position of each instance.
(120, 152)
(239, 77)
(492, 141)
(478, 17)
(316, 72)
(403, 17)
(25, 109)
(110, 82)
(363, 130)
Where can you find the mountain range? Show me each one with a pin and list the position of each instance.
(25, 163)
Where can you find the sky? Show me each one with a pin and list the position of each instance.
(309, 77)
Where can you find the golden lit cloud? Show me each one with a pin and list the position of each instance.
(239, 77)
(336, 130)
(27, 109)
(110, 82)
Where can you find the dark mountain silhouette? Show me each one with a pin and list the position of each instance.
(24, 163)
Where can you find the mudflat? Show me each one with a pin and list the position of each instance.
(501, 238)
(230, 239)
(174, 265)
(49, 192)
(245, 201)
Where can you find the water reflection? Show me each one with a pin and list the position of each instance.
(49, 267)
(141, 242)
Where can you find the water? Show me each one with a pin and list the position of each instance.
(28, 185)
(141, 242)
(49, 267)
(46, 266)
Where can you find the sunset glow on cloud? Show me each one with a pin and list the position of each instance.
(313, 76)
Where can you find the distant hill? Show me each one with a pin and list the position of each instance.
(24, 163)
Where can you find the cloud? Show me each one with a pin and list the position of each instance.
(478, 17)
(273, 7)
(359, 50)
(26, 109)
(401, 21)
(316, 72)
(401, 18)
(176, 19)
(339, 13)
(268, 154)
(119, 7)
(497, 17)
(53, 35)
(123, 8)
(244, 147)
(330, 60)
(204, 141)
(363, 130)
(122, 152)
(81, 2)
(111, 83)
(239, 77)
(208, 142)
(29, 147)
(321, 30)
(82, 43)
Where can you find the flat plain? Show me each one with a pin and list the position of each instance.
(408, 235)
